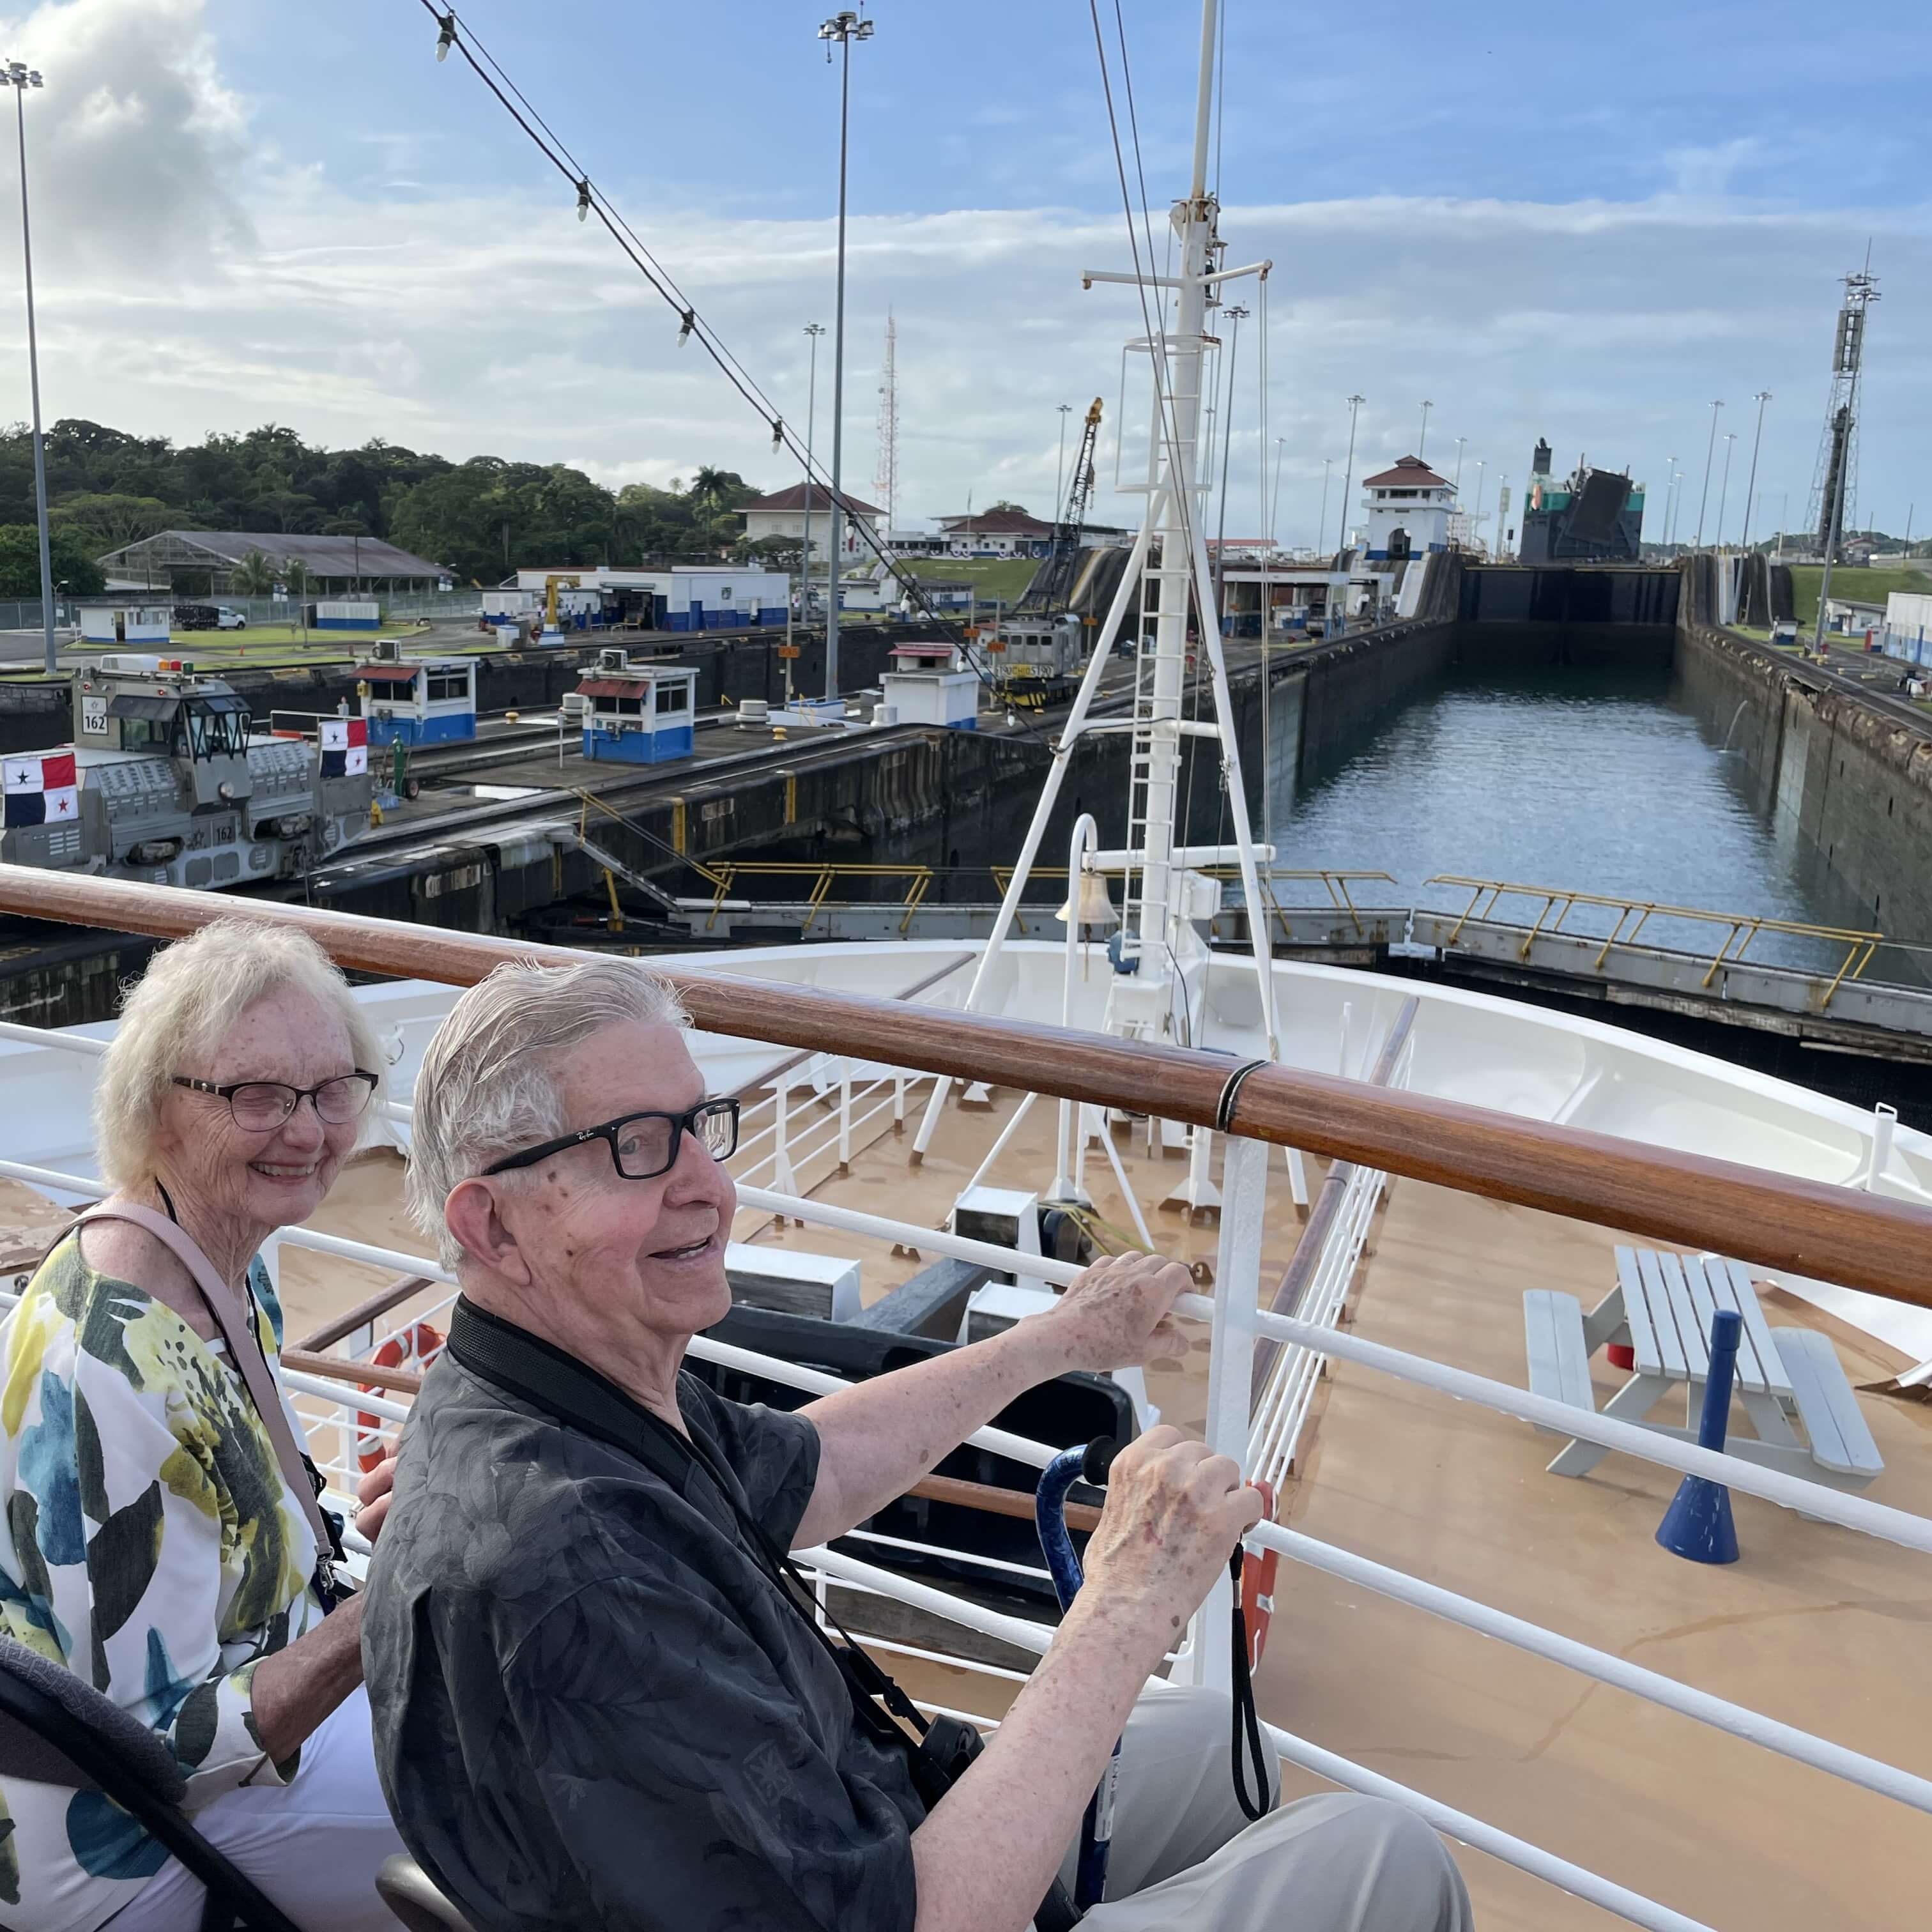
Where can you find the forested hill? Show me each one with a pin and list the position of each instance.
(480, 516)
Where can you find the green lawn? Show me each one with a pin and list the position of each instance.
(1003, 577)
(1864, 587)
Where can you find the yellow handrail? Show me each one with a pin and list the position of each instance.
(1742, 928)
(1334, 878)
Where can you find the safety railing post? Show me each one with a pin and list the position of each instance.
(1885, 1119)
(1298, 1180)
(845, 1116)
(898, 1103)
(1237, 1269)
(783, 1181)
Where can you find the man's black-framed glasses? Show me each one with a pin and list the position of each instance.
(644, 1146)
(257, 1105)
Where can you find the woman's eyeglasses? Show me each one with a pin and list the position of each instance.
(644, 1146)
(257, 1105)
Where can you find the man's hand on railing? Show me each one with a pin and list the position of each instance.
(1116, 1315)
(372, 1495)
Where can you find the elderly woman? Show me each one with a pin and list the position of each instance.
(151, 1540)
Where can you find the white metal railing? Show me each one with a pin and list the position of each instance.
(1275, 1432)
(808, 1147)
(1737, 1720)
(1236, 1323)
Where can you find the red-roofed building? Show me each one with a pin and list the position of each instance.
(1410, 509)
(997, 533)
(782, 514)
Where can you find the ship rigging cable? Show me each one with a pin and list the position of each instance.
(454, 31)
(1156, 337)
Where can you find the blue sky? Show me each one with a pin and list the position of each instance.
(1583, 223)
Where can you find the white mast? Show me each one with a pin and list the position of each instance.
(1156, 759)
(1143, 1001)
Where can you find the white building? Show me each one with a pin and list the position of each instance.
(1410, 509)
(698, 597)
(782, 514)
(1907, 633)
(104, 623)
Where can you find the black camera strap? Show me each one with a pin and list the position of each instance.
(526, 1365)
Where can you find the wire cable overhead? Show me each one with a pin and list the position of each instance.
(454, 31)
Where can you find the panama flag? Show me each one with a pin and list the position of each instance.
(39, 790)
(345, 747)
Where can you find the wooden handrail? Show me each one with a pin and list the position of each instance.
(330, 1332)
(954, 1490)
(1839, 1234)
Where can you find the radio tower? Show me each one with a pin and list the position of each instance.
(1835, 486)
(886, 483)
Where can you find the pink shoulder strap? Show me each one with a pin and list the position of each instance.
(244, 1348)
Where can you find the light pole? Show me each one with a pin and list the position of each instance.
(1724, 487)
(845, 28)
(1477, 526)
(1236, 315)
(1321, 527)
(1763, 396)
(1274, 498)
(1348, 472)
(1059, 469)
(1460, 441)
(20, 78)
(814, 330)
(1423, 445)
(1669, 495)
(1710, 450)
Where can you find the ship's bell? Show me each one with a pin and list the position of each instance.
(1095, 908)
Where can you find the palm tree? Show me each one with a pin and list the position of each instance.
(254, 576)
(295, 580)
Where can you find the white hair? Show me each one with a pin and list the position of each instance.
(173, 1017)
(488, 1083)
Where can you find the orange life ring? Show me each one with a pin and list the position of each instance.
(1257, 1575)
(421, 1340)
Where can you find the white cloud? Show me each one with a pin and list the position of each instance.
(192, 278)
(134, 144)
(1711, 170)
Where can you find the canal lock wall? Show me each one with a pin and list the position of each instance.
(1847, 783)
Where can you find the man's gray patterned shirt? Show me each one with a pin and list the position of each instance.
(592, 1708)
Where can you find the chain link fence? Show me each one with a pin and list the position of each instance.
(24, 613)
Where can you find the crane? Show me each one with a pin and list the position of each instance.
(1053, 582)
(1043, 644)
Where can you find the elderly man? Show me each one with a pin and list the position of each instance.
(595, 1704)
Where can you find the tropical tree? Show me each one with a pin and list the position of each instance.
(254, 576)
(773, 553)
(112, 519)
(75, 570)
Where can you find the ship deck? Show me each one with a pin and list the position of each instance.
(1816, 1626)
